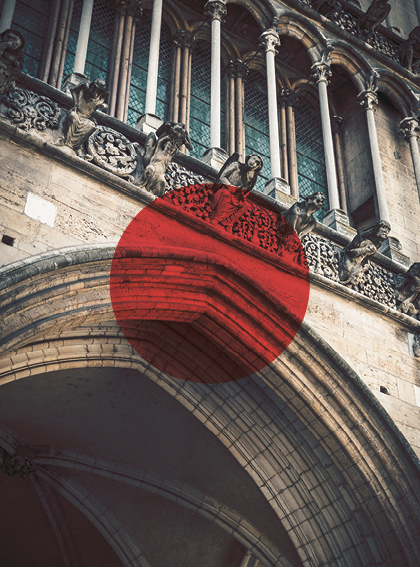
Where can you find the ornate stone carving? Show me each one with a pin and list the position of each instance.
(215, 10)
(322, 256)
(409, 127)
(377, 284)
(407, 290)
(12, 465)
(372, 19)
(409, 51)
(416, 346)
(354, 261)
(11, 45)
(270, 40)
(112, 151)
(300, 215)
(321, 72)
(233, 183)
(368, 99)
(78, 124)
(160, 149)
(29, 110)
(177, 176)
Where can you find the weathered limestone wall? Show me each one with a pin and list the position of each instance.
(76, 209)
(378, 349)
(400, 184)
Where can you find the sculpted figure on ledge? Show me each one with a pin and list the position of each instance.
(300, 214)
(159, 151)
(11, 45)
(373, 18)
(354, 258)
(78, 124)
(409, 51)
(408, 289)
(232, 185)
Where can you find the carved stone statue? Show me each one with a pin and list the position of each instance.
(408, 289)
(372, 19)
(409, 51)
(354, 258)
(327, 7)
(160, 149)
(11, 45)
(300, 214)
(232, 185)
(78, 124)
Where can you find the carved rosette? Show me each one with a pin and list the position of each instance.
(29, 110)
(12, 465)
(113, 152)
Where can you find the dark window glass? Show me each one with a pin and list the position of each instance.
(310, 153)
(257, 139)
(31, 19)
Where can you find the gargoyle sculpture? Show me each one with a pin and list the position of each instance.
(354, 258)
(78, 124)
(11, 45)
(372, 19)
(160, 149)
(234, 182)
(408, 289)
(409, 51)
(300, 214)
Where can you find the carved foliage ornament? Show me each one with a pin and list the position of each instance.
(12, 465)
(29, 110)
(112, 151)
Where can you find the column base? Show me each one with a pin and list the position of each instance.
(214, 157)
(339, 221)
(74, 80)
(391, 248)
(278, 189)
(148, 123)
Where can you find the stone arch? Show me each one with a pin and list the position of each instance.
(321, 419)
(262, 12)
(346, 56)
(397, 90)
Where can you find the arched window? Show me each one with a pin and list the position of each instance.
(31, 19)
(138, 83)
(310, 153)
(257, 139)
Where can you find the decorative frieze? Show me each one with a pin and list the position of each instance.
(28, 110)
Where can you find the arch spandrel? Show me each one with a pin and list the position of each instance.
(324, 426)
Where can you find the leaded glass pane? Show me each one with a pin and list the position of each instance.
(310, 153)
(31, 19)
(200, 98)
(257, 139)
(100, 40)
(73, 35)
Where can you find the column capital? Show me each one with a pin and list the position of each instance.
(288, 97)
(321, 72)
(409, 128)
(130, 8)
(270, 40)
(368, 99)
(183, 38)
(241, 69)
(215, 10)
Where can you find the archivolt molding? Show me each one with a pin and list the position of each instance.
(308, 401)
(403, 98)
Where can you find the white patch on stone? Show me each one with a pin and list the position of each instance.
(417, 395)
(39, 209)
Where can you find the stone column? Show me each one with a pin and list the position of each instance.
(150, 121)
(215, 11)
(290, 100)
(336, 130)
(241, 71)
(270, 40)
(410, 130)
(176, 77)
(7, 15)
(283, 138)
(230, 119)
(122, 57)
(83, 37)
(368, 100)
(417, 6)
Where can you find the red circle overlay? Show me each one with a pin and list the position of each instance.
(199, 303)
